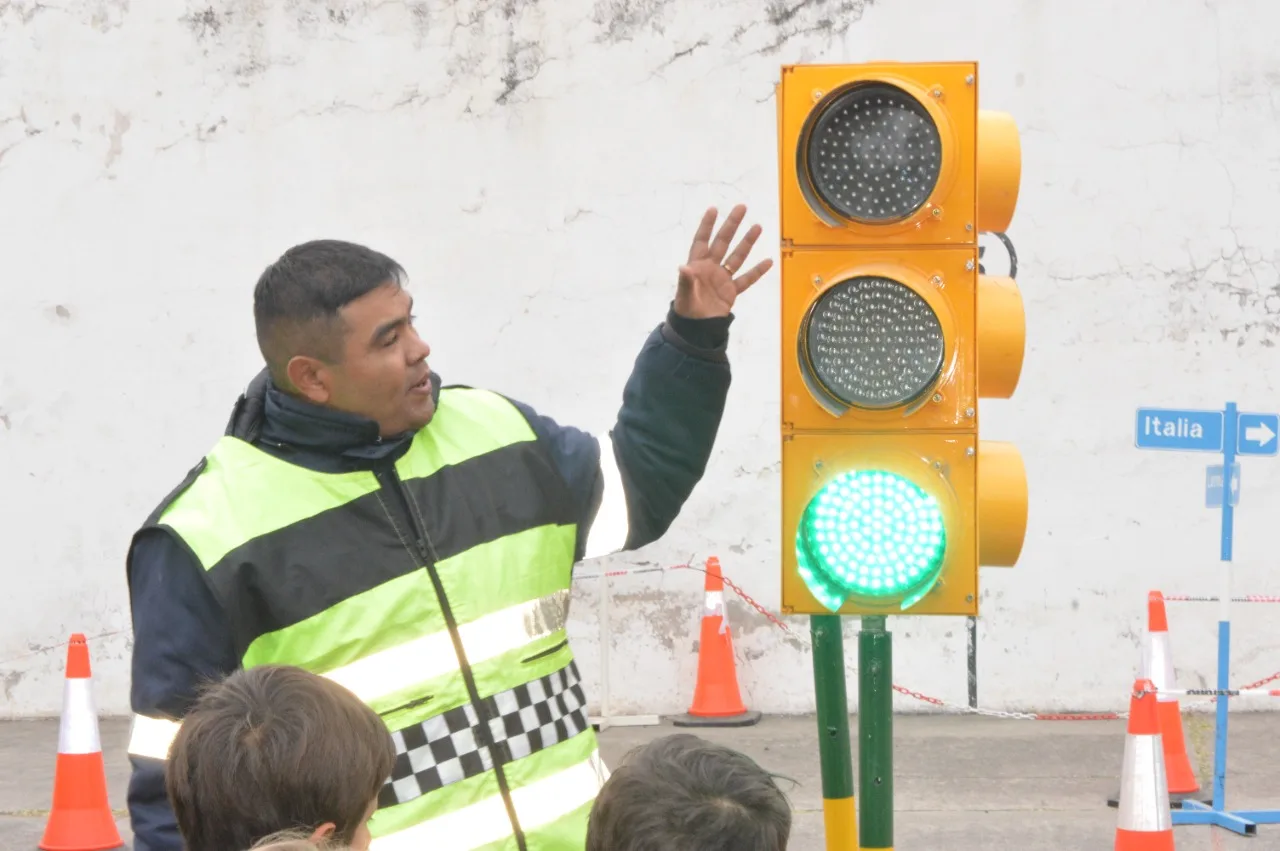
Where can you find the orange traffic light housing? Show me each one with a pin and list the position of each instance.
(890, 335)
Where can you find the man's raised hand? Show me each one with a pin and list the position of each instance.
(710, 282)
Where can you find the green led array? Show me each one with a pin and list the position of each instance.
(871, 535)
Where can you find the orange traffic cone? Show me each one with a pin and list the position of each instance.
(1158, 667)
(1144, 823)
(81, 818)
(717, 701)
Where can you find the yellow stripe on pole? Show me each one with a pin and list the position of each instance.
(840, 818)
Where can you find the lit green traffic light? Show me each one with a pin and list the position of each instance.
(871, 535)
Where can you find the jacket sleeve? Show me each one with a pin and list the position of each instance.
(180, 642)
(629, 485)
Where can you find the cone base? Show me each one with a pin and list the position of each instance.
(1132, 840)
(1203, 796)
(745, 719)
(81, 830)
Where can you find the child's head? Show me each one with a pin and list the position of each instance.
(683, 793)
(277, 748)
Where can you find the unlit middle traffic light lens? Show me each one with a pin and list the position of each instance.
(873, 342)
(874, 154)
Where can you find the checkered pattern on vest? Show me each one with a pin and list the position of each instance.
(446, 748)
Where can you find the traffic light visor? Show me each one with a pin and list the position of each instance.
(999, 170)
(872, 535)
(871, 152)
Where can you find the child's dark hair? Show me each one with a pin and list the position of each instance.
(275, 748)
(296, 840)
(683, 793)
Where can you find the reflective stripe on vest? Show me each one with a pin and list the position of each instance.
(608, 533)
(314, 570)
(151, 737)
(562, 797)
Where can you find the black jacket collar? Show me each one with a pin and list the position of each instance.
(309, 434)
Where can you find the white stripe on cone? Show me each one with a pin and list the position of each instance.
(78, 728)
(1144, 791)
(1157, 665)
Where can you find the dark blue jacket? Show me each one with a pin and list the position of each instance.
(671, 410)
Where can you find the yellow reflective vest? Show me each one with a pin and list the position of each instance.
(453, 630)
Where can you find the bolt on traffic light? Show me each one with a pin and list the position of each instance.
(890, 335)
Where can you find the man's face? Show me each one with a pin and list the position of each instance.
(383, 374)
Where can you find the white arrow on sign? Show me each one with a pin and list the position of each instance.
(1261, 435)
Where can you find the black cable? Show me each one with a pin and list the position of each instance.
(1013, 255)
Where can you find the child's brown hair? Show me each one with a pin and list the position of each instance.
(275, 748)
(684, 793)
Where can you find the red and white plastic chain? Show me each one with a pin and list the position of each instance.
(1192, 598)
(935, 701)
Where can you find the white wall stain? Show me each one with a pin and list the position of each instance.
(539, 168)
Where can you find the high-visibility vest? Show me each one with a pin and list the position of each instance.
(452, 630)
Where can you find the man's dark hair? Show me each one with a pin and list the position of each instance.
(297, 299)
(275, 748)
(683, 793)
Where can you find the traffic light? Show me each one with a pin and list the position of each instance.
(890, 334)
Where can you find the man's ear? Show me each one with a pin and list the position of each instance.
(310, 378)
(323, 832)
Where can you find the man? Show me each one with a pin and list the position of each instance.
(415, 544)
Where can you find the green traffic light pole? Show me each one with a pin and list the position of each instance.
(875, 733)
(841, 818)
(839, 812)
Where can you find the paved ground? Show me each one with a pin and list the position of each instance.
(962, 783)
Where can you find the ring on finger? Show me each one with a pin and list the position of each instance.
(731, 272)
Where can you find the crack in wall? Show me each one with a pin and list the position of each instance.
(27, 131)
(496, 40)
(688, 51)
(623, 20)
(26, 12)
(830, 18)
(1200, 295)
(523, 61)
(205, 23)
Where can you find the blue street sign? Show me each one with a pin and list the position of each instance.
(1213, 486)
(1184, 431)
(1257, 434)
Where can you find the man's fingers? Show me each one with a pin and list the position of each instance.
(755, 273)
(721, 244)
(739, 255)
(702, 237)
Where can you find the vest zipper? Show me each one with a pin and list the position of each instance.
(427, 554)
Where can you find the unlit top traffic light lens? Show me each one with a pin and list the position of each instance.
(873, 535)
(874, 154)
(873, 343)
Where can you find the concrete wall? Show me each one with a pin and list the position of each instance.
(539, 168)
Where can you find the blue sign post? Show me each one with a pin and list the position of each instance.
(1233, 434)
